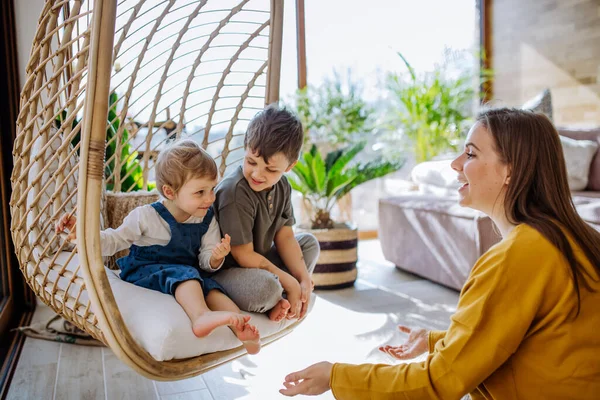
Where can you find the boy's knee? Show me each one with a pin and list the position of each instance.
(310, 249)
(268, 292)
(309, 242)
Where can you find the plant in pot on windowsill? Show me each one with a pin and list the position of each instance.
(321, 182)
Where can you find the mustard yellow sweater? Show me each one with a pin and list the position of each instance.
(514, 335)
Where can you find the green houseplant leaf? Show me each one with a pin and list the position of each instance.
(318, 170)
(131, 171)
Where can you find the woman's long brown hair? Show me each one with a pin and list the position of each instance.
(538, 193)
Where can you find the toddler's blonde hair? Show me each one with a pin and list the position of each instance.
(182, 161)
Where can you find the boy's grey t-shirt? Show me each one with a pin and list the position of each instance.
(253, 217)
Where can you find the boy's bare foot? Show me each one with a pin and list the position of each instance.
(280, 310)
(210, 320)
(249, 337)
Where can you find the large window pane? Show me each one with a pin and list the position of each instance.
(364, 38)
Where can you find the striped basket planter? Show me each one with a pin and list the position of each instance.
(336, 267)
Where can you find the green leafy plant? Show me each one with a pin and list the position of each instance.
(334, 113)
(433, 110)
(322, 181)
(131, 171)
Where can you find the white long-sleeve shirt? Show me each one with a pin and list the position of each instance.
(145, 227)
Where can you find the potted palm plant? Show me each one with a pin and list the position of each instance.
(322, 181)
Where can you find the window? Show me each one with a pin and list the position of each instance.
(364, 40)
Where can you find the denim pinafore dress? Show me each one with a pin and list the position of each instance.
(162, 268)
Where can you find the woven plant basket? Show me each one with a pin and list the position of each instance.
(108, 84)
(336, 266)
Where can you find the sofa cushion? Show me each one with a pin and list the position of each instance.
(542, 103)
(588, 209)
(427, 189)
(578, 157)
(587, 134)
(435, 173)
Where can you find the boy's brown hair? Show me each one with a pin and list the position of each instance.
(275, 130)
(182, 161)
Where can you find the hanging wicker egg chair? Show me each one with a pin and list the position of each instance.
(108, 85)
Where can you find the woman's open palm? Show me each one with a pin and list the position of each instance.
(416, 344)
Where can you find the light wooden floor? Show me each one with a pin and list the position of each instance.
(346, 326)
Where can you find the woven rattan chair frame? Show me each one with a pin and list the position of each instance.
(151, 55)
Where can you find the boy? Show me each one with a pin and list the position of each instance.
(254, 207)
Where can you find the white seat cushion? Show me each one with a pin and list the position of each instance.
(157, 322)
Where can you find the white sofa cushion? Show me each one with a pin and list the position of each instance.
(578, 158)
(435, 173)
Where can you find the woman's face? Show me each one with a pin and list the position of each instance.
(483, 175)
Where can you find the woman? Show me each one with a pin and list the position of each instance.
(527, 321)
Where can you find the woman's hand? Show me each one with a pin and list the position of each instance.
(67, 222)
(413, 347)
(311, 381)
(220, 251)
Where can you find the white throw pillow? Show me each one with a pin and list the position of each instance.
(435, 173)
(578, 157)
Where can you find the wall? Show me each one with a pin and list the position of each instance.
(538, 44)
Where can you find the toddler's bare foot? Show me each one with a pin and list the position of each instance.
(210, 320)
(280, 310)
(249, 337)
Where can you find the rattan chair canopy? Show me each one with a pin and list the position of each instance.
(108, 84)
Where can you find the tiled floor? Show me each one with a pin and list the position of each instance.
(346, 326)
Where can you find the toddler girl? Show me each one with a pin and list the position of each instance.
(175, 244)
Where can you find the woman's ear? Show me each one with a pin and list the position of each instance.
(168, 192)
(508, 173)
